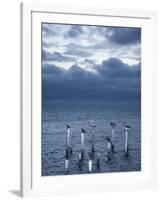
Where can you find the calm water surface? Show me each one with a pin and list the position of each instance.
(54, 140)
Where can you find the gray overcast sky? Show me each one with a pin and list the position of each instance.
(91, 63)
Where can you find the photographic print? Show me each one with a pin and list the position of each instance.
(91, 99)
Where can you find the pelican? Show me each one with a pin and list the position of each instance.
(127, 129)
(112, 126)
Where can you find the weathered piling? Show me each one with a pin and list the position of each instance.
(66, 162)
(112, 126)
(98, 156)
(70, 143)
(90, 162)
(82, 138)
(81, 155)
(127, 129)
(126, 143)
(93, 126)
(109, 148)
(69, 139)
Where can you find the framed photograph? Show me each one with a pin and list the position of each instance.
(87, 99)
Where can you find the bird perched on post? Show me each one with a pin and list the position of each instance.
(67, 126)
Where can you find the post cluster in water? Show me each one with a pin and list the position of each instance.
(93, 154)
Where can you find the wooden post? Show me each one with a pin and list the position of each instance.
(93, 141)
(126, 143)
(90, 163)
(66, 162)
(82, 140)
(109, 148)
(68, 137)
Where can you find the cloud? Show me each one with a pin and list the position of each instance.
(51, 69)
(47, 31)
(93, 42)
(75, 31)
(113, 81)
(78, 53)
(56, 56)
(107, 63)
(115, 68)
(124, 35)
(51, 74)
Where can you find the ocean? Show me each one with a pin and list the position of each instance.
(55, 116)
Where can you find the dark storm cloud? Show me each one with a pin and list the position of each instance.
(124, 35)
(75, 74)
(74, 31)
(115, 68)
(110, 80)
(52, 69)
(114, 81)
(56, 56)
(51, 74)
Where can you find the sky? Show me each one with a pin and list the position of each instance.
(91, 63)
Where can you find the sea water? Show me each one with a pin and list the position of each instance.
(54, 120)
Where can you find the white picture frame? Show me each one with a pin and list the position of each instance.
(32, 183)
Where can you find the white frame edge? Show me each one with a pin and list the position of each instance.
(26, 80)
(25, 88)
